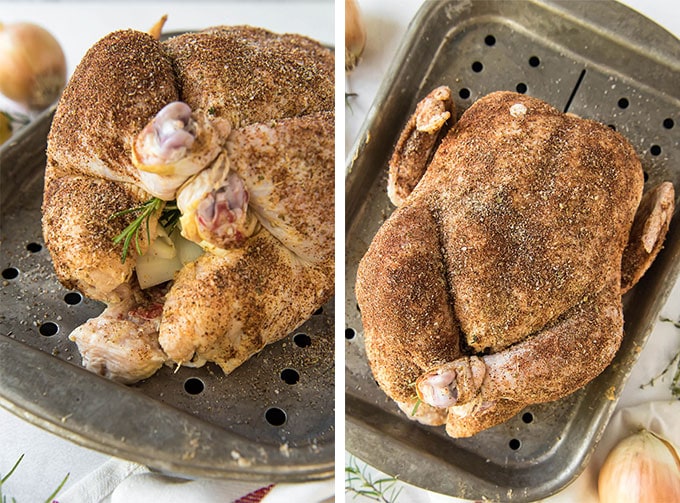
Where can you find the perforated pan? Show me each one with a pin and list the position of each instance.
(599, 60)
(272, 419)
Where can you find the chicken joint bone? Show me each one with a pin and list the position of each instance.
(451, 384)
(166, 138)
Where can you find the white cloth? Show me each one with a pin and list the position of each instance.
(118, 481)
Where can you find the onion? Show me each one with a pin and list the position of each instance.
(642, 468)
(355, 35)
(32, 65)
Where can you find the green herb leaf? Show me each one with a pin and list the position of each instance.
(359, 482)
(674, 362)
(415, 407)
(169, 219)
(51, 497)
(4, 479)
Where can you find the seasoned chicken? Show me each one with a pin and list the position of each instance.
(497, 281)
(231, 130)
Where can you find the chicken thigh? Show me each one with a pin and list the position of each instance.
(232, 128)
(497, 281)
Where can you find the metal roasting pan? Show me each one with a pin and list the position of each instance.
(272, 419)
(599, 60)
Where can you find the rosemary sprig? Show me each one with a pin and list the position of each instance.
(169, 219)
(675, 361)
(131, 232)
(50, 498)
(359, 482)
(415, 407)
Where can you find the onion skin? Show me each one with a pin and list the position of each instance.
(355, 35)
(641, 468)
(32, 65)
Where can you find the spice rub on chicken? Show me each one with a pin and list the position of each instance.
(497, 281)
(189, 186)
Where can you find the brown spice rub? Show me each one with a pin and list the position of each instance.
(520, 202)
(287, 167)
(119, 85)
(403, 284)
(503, 264)
(237, 73)
(246, 299)
(79, 232)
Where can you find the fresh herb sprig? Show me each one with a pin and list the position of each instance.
(169, 219)
(131, 232)
(50, 498)
(359, 482)
(673, 363)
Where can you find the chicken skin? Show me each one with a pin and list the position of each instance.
(232, 129)
(497, 281)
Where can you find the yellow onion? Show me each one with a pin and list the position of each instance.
(32, 65)
(643, 467)
(355, 35)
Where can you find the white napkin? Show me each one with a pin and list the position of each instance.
(118, 481)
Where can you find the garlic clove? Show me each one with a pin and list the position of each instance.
(643, 467)
(355, 34)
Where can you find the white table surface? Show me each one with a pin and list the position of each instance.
(386, 25)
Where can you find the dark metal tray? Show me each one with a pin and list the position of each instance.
(598, 60)
(272, 419)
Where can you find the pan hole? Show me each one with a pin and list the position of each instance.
(668, 123)
(490, 40)
(655, 150)
(528, 417)
(350, 333)
(10, 273)
(534, 61)
(302, 340)
(275, 416)
(521, 88)
(645, 175)
(34, 247)
(477, 67)
(73, 298)
(290, 376)
(194, 386)
(48, 329)
(464, 93)
(612, 127)
(514, 444)
(318, 311)
(623, 103)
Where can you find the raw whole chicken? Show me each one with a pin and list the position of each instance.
(231, 130)
(497, 281)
